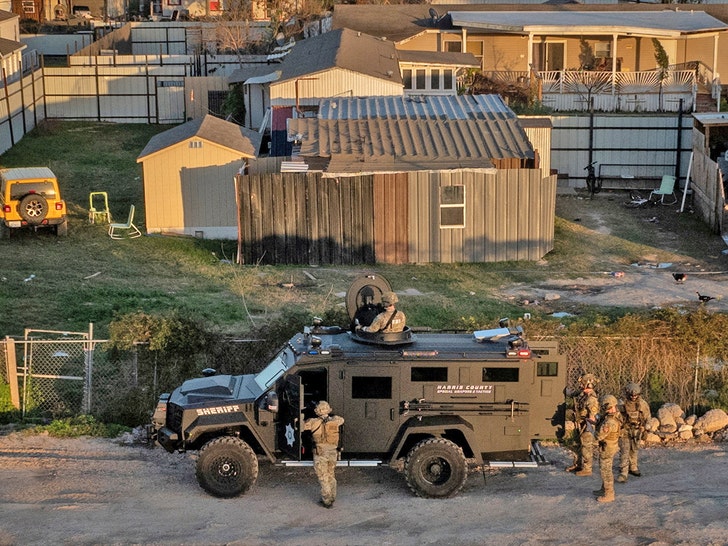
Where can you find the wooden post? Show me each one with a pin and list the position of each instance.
(12, 371)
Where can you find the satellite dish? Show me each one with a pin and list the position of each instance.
(434, 16)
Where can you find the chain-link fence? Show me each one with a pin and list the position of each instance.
(68, 376)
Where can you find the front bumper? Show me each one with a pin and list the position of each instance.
(168, 439)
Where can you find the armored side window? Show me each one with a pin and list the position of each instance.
(371, 387)
(429, 374)
(547, 369)
(500, 375)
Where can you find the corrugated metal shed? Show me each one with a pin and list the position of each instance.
(570, 22)
(485, 107)
(396, 145)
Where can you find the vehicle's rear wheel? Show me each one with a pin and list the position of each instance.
(436, 468)
(62, 228)
(33, 208)
(227, 467)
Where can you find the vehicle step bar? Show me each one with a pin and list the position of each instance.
(338, 463)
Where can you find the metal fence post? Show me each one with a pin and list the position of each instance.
(88, 360)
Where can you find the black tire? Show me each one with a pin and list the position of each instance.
(62, 228)
(436, 469)
(33, 208)
(227, 467)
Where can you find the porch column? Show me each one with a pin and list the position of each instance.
(464, 46)
(715, 57)
(529, 55)
(614, 63)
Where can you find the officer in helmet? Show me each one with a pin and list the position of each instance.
(325, 429)
(608, 431)
(586, 409)
(635, 412)
(389, 320)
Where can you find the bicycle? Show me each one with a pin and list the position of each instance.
(593, 184)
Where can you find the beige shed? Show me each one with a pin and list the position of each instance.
(189, 174)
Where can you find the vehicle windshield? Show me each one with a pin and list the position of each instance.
(283, 360)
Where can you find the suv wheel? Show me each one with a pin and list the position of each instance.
(226, 467)
(33, 208)
(436, 468)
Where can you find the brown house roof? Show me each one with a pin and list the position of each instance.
(215, 130)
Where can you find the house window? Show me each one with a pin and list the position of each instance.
(195, 144)
(603, 49)
(452, 206)
(28, 6)
(447, 79)
(435, 79)
(476, 48)
(407, 78)
(454, 47)
(420, 79)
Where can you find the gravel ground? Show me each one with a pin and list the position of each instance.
(94, 491)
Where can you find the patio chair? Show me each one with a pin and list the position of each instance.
(667, 187)
(98, 207)
(127, 230)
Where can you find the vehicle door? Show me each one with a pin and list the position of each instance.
(290, 400)
(371, 407)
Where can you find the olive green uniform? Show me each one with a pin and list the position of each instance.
(382, 322)
(608, 431)
(325, 431)
(587, 408)
(635, 414)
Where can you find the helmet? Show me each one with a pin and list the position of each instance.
(587, 381)
(389, 298)
(322, 408)
(632, 389)
(608, 401)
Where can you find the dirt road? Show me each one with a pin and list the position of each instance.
(92, 491)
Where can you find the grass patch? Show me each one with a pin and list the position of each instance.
(83, 425)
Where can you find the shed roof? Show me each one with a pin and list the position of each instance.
(215, 130)
(8, 47)
(346, 49)
(667, 22)
(395, 145)
(488, 107)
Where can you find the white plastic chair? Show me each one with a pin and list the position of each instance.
(127, 230)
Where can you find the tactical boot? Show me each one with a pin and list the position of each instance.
(584, 472)
(607, 497)
(573, 468)
(622, 478)
(599, 492)
(635, 473)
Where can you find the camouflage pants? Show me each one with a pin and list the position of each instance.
(628, 448)
(586, 450)
(324, 463)
(607, 451)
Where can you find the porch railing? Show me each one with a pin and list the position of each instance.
(575, 90)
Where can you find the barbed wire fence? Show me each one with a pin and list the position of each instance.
(72, 375)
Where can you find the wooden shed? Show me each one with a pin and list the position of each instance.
(448, 216)
(189, 173)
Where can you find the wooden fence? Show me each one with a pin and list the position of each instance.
(304, 218)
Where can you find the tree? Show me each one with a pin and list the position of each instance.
(663, 64)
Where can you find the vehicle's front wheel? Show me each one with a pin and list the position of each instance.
(227, 467)
(436, 468)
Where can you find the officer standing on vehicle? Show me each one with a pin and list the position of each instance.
(389, 320)
(325, 431)
(607, 435)
(635, 412)
(586, 409)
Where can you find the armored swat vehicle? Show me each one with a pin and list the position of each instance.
(430, 404)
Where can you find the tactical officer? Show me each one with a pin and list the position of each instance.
(607, 435)
(389, 320)
(586, 408)
(635, 413)
(325, 431)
